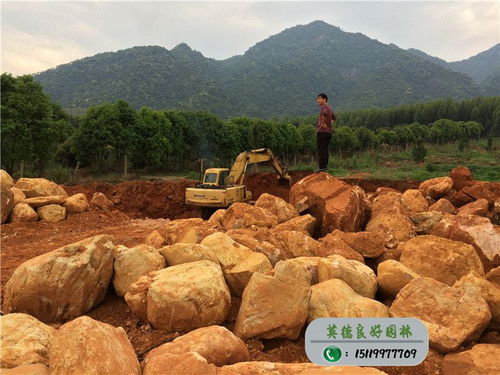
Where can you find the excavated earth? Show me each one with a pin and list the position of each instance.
(139, 208)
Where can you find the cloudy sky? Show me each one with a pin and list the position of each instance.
(40, 35)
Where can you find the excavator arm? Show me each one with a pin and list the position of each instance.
(262, 155)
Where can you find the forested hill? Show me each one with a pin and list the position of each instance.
(279, 76)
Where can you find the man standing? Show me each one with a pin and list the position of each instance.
(324, 130)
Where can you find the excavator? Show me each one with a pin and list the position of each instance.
(221, 187)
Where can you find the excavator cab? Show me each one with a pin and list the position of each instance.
(214, 178)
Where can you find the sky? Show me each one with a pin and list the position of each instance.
(43, 34)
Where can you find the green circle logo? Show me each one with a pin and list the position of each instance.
(332, 353)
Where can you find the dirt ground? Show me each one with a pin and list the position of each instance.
(140, 207)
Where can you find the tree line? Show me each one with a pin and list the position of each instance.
(38, 132)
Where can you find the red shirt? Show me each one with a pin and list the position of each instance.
(325, 113)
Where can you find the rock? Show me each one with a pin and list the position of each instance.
(443, 205)
(76, 204)
(87, 346)
(33, 369)
(394, 226)
(482, 359)
(479, 207)
(452, 315)
(358, 276)
(190, 363)
(6, 202)
(334, 203)
(52, 212)
(216, 217)
(171, 297)
(389, 254)
(436, 187)
(273, 253)
(243, 215)
(304, 223)
(5, 179)
(413, 202)
(476, 231)
(425, 221)
(336, 299)
(46, 200)
(100, 201)
(180, 253)
(274, 368)
(368, 244)
(459, 198)
(24, 340)
(494, 275)
(476, 283)
(332, 244)
(279, 207)
(297, 244)
(216, 344)
(132, 263)
(480, 190)
(274, 306)
(155, 239)
(23, 213)
(19, 196)
(442, 259)
(309, 265)
(64, 283)
(39, 187)
(393, 276)
(187, 230)
(238, 262)
(461, 177)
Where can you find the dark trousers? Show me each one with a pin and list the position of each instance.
(323, 140)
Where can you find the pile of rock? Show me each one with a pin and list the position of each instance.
(33, 199)
(350, 254)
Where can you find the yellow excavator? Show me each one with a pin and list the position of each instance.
(221, 187)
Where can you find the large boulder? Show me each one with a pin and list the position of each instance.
(334, 203)
(87, 346)
(475, 230)
(24, 340)
(33, 369)
(452, 315)
(305, 223)
(243, 215)
(245, 237)
(187, 230)
(368, 244)
(482, 359)
(155, 239)
(461, 177)
(275, 368)
(275, 306)
(19, 196)
(393, 276)
(358, 276)
(64, 283)
(5, 179)
(283, 210)
(180, 253)
(425, 221)
(132, 263)
(76, 204)
(39, 187)
(6, 202)
(309, 265)
(442, 259)
(23, 213)
(297, 244)
(494, 275)
(216, 344)
(443, 205)
(52, 212)
(36, 202)
(336, 299)
(333, 244)
(479, 207)
(481, 190)
(190, 363)
(413, 202)
(436, 187)
(170, 298)
(238, 262)
(475, 283)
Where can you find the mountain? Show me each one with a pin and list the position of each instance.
(425, 56)
(480, 66)
(278, 76)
